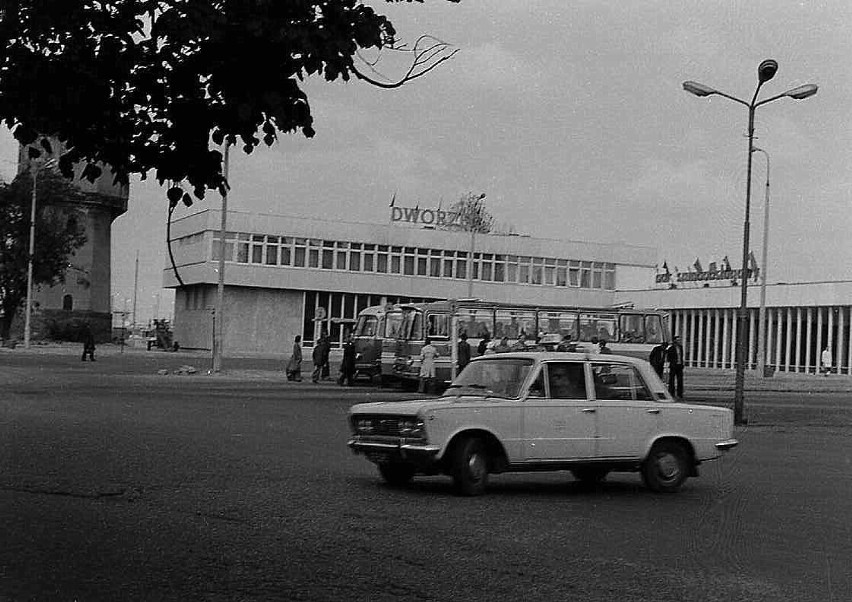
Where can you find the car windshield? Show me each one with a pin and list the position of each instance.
(497, 377)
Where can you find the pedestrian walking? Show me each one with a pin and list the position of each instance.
(674, 355)
(428, 355)
(319, 356)
(88, 343)
(463, 352)
(826, 361)
(347, 366)
(657, 358)
(294, 366)
(326, 366)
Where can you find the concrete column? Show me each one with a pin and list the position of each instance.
(849, 348)
(819, 338)
(779, 324)
(841, 328)
(752, 337)
(734, 335)
(699, 356)
(809, 338)
(717, 336)
(726, 333)
(830, 337)
(798, 361)
(789, 339)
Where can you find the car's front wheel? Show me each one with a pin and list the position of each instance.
(666, 467)
(470, 465)
(396, 473)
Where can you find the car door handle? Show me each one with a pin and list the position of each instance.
(588, 410)
(653, 411)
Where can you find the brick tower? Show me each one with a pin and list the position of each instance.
(85, 296)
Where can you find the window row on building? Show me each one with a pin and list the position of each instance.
(308, 253)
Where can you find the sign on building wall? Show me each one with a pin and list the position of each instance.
(714, 275)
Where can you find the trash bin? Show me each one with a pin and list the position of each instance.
(769, 371)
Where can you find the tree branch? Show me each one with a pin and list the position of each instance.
(425, 59)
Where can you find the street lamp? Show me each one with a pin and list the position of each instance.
(761, 328)
(219, 311)
(765, 71)
(29, 304)
(474, 223)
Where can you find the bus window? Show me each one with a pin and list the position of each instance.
(558, 322)
(412, 326)
(597, 326)
(631, 328)
(367, 326)
(509, 323)
(438, 325)
(393, 325)
(654, 332)
(476, 323)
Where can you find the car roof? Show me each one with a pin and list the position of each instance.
(544, 356)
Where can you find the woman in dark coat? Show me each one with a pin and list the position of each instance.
(294, 366)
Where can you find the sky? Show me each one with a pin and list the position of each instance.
(572, 118)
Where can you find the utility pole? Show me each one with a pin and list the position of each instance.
(135, 289)
(219, 311)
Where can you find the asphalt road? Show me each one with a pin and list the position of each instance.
(120, 484)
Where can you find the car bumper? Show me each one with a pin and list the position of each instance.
(727, 444)
(378, 452)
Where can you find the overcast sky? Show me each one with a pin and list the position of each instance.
(571, 117)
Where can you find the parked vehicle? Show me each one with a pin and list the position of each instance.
(517, 412)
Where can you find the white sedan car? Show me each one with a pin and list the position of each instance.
(516, 412)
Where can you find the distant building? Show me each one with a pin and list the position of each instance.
(86, 293)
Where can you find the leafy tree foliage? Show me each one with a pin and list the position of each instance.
(58, 235)
(474, 215)
(144, 85)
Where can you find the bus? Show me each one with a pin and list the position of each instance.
(626, 330)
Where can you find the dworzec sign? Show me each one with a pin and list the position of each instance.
(428, 217)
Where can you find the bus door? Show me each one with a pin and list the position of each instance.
(367, 341)
(390, 341)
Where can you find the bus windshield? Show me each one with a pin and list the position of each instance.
(367, 326)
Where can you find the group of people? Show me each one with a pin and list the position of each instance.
(673, 354)
(320, 359)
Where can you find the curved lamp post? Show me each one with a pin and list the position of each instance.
(765, 71)
(761, 322)
(31, 255)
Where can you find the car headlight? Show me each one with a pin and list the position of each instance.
(364, 426)
(412, 428)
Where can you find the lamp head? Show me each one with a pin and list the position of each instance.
(803, 91)
(698, 89)
(767, 70)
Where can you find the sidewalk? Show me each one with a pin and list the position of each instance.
(272, 366)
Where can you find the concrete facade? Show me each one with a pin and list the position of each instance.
(270, 299)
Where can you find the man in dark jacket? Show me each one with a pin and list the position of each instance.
(658, 358)
(463, 352)
(347, 366)
(319, 356)
(88, 343)
(675, 358)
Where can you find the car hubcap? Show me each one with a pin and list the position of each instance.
(476, 466)
(668, 467)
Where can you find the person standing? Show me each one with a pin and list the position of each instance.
(347, 366)
(826, 360)
(428, 355)
(657, 358)
(88, 343)
(463, 352)
(294, 366)
(326, 351)
(675, 357)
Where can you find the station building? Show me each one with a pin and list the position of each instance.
(288, 276)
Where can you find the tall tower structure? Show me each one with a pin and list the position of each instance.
(85, 296)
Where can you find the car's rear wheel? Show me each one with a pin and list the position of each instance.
(666, 467)
(470, 466)
(396, 473)
(590, 475)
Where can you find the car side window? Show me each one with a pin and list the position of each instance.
(620, 382)
(537, 386)
(567, 380)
